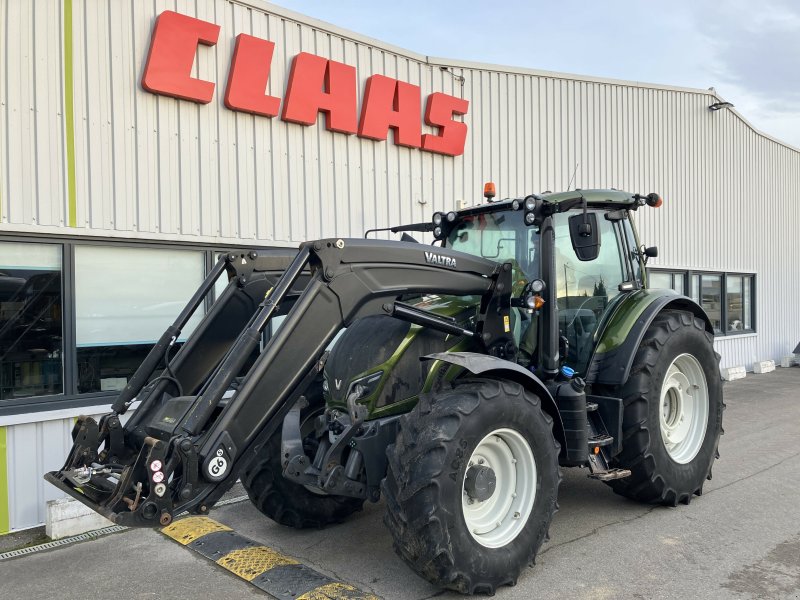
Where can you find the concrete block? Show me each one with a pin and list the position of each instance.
(66, 517)
(764, 366)
(732, 373)
(788, 361)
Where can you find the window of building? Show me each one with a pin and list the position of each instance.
(668, 280)
(31, 328)
(727, 298)
(124, 300)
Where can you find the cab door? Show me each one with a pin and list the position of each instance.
(587, 290)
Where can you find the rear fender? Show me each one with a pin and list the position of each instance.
(491, 366)
(620, 339)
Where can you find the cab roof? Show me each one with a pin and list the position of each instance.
(593, 196)
(597, 198)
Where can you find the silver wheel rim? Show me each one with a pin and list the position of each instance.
(683, 409)
(499, 519)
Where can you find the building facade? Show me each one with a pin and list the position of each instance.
(118, 185)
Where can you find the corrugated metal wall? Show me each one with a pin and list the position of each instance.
(152, 167)
(33, 449)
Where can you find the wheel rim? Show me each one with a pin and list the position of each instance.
(683, 409)
(499, 519)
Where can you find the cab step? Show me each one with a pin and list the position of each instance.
(599, 469)
(600, 440)
(591, 406)
(611, 474)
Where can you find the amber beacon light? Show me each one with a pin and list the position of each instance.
(489, 191)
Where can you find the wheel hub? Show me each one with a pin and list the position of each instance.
(499, 488)
(683, 408)
(480, 483)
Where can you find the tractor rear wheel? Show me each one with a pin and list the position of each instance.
(284, 501)
(672, 418)
(471, 485)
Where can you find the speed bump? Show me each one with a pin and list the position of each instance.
(277, 574)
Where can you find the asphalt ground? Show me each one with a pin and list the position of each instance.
(741, 539)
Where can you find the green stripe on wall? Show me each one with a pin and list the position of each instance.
(4, 497)
(68, 112)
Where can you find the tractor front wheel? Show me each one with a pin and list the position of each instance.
(672, 417)
(284, 501)
(471, 485)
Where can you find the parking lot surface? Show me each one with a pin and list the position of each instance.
(741, 539)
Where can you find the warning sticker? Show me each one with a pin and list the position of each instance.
(506, 324)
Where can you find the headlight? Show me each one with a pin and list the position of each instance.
(437, 218)
(530, 203)
(437, 232)
(537, 286)
(325, 387)
(365, 386)
(529, 218)
(451, 216)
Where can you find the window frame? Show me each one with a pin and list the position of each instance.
(687, 276)
(70, 398)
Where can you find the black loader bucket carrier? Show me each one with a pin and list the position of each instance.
(210, 408)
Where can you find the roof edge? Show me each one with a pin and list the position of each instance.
(265, 6)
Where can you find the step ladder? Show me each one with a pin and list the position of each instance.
(599, 440)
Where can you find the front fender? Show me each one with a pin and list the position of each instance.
(487, 365)
(620, 338)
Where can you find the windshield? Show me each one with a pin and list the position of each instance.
(503, 237)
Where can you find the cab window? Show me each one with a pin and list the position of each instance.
(585, 289)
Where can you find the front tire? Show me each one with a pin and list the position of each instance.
(287, 502)
(672, 419)
(472, 484)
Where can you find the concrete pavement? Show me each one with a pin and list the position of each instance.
(741, 539)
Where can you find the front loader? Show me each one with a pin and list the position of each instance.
(468, 372)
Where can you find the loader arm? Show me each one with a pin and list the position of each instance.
(205, 415)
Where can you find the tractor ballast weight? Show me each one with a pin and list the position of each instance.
(465, 376)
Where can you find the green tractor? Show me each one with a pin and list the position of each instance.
(473, 455)
(465, 374)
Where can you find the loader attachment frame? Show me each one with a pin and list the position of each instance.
(212, 406)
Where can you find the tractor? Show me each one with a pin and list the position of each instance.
(453, 380)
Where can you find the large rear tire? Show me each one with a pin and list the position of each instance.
(284, 501)
(472, 484)
(672, 419)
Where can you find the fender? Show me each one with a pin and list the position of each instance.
(620, 338)
(487, 365)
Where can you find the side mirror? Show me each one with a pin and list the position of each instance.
(651, 251)
(585, 235)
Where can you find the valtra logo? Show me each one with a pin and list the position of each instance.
(315, 85)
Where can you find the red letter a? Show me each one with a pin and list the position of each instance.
(391, 103)
(319, 85)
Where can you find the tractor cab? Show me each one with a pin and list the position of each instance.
(595, 254)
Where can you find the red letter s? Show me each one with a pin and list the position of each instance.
(452, 134)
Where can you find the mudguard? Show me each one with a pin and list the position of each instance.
(620, 338)
(487, 365)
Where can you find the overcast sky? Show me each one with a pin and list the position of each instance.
(748, 50)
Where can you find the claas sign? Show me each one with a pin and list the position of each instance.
(316, 85)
